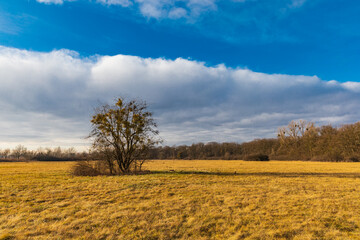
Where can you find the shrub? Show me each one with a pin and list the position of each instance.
(320, 158)
(328, 158)
(285, 157)
(85, 169)
(52, 158)
(100, 167)
(353, 159)
(336, 157)
(257, 157)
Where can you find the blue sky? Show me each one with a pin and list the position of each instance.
(315, 37)
(237, 63)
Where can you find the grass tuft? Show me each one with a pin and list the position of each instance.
(6, 236)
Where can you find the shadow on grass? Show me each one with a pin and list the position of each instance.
(264, 174)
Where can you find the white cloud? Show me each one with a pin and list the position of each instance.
(47, 98)
(173, 9)
(352, 86)
(6, 24)
(51, 1)
(124, 3)
(176, 13)
(297, 3)
(153, 9)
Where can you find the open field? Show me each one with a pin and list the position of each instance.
(198, 200)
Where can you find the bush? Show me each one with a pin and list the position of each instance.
(320, 158)
(85, 169)
(257, 157)
(353, 159)
(52, 158)
(285, 158)
(100, 167)
(328, 158)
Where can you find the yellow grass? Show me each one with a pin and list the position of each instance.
(199, 200)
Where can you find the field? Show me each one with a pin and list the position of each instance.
(183, 200)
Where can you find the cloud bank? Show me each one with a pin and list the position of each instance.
(47, 98)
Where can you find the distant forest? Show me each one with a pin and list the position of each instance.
(300, 140)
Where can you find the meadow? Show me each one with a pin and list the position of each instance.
(182, 200)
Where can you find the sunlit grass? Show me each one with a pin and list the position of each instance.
(183, 200)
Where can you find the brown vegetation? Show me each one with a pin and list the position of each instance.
(86, 168)
(300, 140)
(257, 157)
(182, 200)
(21, 153)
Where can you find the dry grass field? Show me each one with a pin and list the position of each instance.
(183, 200)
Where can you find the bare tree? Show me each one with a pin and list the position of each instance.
(70, 152)
(57, 152)
(5, 153)
(19, 151)
(298, 138)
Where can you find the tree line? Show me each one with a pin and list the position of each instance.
(215, 150)
(300, 140)
(304, 141)
(20, 152)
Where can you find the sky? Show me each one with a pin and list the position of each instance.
(210, 70)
